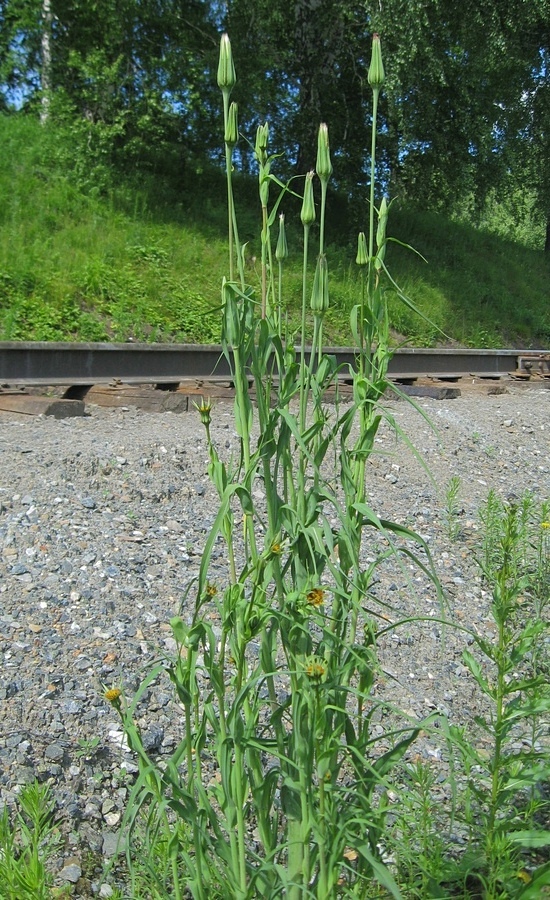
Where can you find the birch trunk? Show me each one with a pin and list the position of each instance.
(46, 44)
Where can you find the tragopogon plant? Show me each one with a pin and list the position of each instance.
(274, 788)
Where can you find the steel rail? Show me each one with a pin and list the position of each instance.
(51, 363)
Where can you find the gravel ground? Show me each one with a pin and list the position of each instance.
(102, 521)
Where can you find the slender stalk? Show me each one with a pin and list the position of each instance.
(321, 251)
(230, 201)
(264, 261)
(303, 388)
(375, 95)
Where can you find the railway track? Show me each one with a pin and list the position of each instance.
(85, 364)
(192, 368)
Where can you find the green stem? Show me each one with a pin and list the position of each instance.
(264, 261)
(303, 392)
(230, 204)
(322, 217)
(279, 315)
(375, 94)
(496, 765)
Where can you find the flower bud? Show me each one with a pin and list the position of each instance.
(204, 409)
(324, 165)
(362, 257)
(226, 69)
(376, 74)
(319, 295)
(262, 137)
(381, 234)
(232, 127)
(307, 214)
(281, 251)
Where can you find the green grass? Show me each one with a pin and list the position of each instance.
(142, 259)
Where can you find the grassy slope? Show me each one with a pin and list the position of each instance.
(146, 262)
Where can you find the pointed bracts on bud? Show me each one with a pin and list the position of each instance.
(362, 257)
(324, 165)
(381, 234)
(262, 137)
(382, 222)
(376, 75)
(264, 162)
(319, 295)
(232, 127)
(281, 251)
(226, 69)
(307, 214)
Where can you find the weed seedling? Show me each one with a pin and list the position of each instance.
(28, 840)
(452, 509)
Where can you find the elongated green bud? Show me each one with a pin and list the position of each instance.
(362, 257)
(226, 69)
(382, 222)
(307, 214)
(324, 165)
(262, 137)
(264, 163)
(376, 75)
(319, 295)
(381, 234)
(232, 126)
(281, 251)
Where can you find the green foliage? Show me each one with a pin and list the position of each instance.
(277, 701)
(452, 509)
(512, 675)
(89, 254)
(28, 840)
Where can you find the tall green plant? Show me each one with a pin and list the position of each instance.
(279, 702)
(512, 677)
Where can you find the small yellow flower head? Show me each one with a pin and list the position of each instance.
(226, 69)
(324, 165)
(376, 75)
(545, 525)
(307, 214)
(204, 410)
(113, 695)
(362, 257)
(316, 597)
(232, 127)
(281, 251)
(211, 590)
(316, 668)
(276, 548)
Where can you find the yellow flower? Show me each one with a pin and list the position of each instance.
(545, 525)
(113, 695)
(211, 590)
(316, 597)
(276, 548)
(316, 668)
(204, 410)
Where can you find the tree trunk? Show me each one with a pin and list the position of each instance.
(46, 44)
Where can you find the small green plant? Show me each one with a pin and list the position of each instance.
(87, 748)
(452, 509)
(28, 839)
(416, 836)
